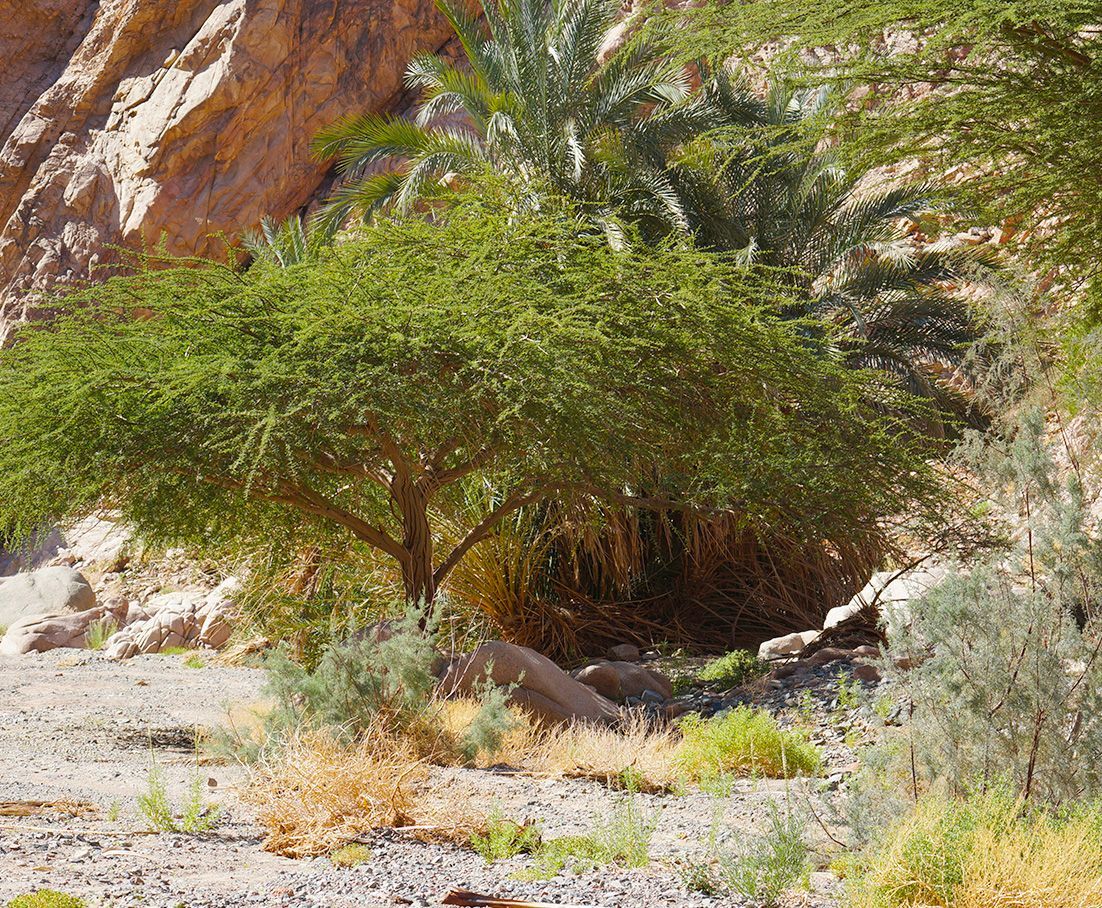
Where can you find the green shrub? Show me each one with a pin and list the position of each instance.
(47, 898)
(491, 723)
(745, 741)
(351, 855)
(357, 684)
(378, 684)
(771, 865)
(505, 838)
(1007, 680)
(733, 669)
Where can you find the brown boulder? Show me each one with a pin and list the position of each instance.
(542, 688)
(620, 680)
(123, 121)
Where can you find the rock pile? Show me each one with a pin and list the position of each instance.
(175, 620)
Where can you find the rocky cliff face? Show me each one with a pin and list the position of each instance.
(129, 121)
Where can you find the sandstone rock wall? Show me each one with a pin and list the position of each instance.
(126, 121)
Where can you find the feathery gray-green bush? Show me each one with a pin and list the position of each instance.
(1008, 685)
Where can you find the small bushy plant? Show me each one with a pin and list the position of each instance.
(772, 864)
(731, 670)
(491, 723)
(195, 815)
(504, 838)
(987, 849)
(745, 741)
(98, 633)
(384, 677)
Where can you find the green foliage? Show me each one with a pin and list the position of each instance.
(47, 898)
(154, 804)
(194, 661)
(537, 104)
(731, 670)
(289, 242)
(195, 815)
(99, 632)
(991, 63)
(505, 838)
(351, 855)
(382, 678)
(849, 692)
(700, 876)
(623, 837)
(1010, 682)
(491, 723)
(344, 399)
(745, 741)
(771, 865)
(628, 141)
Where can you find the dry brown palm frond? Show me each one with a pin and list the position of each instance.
(576, 578)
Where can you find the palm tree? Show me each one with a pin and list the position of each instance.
(535, 101)
(627, 140)
(288, 242)
(773, 194)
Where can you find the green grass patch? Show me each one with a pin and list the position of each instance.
(99, 632)
(731, 670)
(505, 838)
(350, 855)
(47, 898)
(744, 741)
(623, 838)
(988, 849)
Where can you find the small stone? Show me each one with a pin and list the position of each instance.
(624, 652)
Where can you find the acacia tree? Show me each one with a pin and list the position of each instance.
(351, 396)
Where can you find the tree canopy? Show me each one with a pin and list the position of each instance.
(351, 396)
(1008, 92)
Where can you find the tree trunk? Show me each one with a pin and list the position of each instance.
(417, 571)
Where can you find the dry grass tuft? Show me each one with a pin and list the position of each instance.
(317, 795)
(638, 752)
(1035, 866)
(982, 853)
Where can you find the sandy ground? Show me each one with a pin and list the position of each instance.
(75, 727)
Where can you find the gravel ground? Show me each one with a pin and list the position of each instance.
(76, 727)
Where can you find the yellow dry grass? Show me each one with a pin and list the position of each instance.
(982, 853)
(1035, 866)
(580, 750)
(317, 794)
